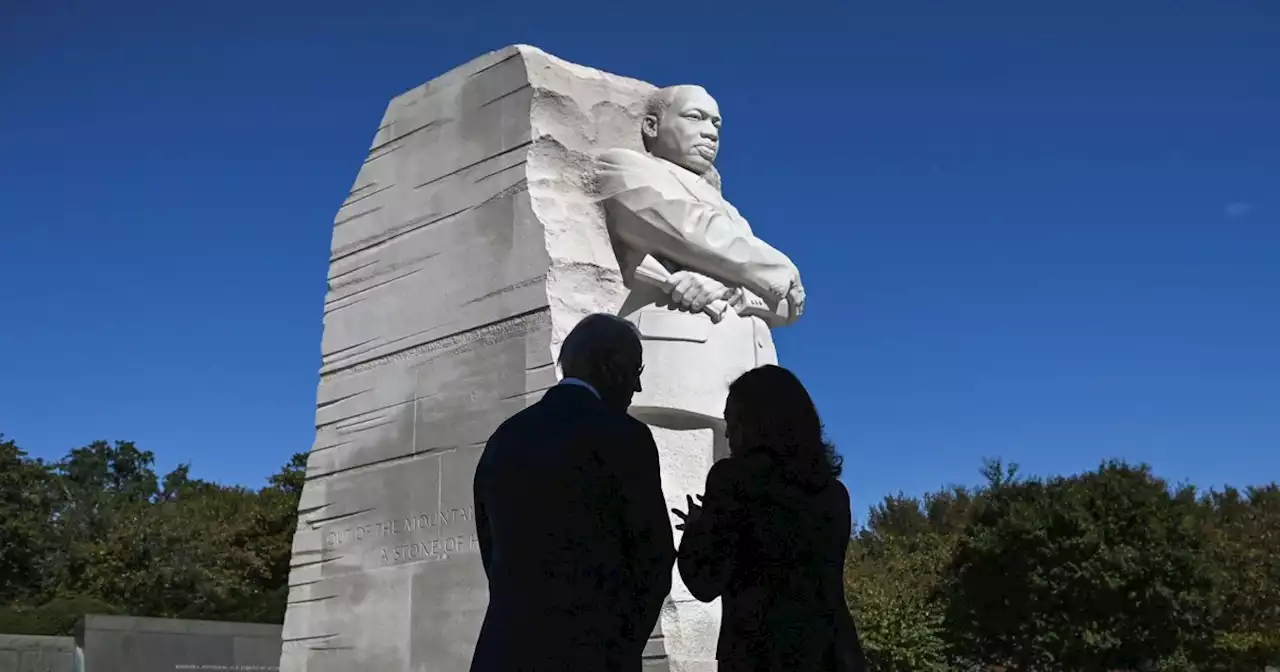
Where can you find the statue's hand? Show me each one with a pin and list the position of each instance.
(693, 291)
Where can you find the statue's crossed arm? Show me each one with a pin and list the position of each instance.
(651, 212)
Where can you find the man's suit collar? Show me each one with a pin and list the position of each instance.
(578, 382)
(692, 182)
(576, 394)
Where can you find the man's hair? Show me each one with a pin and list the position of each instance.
(660, 100)
(778, 418)
(598, 344)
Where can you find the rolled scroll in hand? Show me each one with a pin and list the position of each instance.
(742, 301)
(653, 272)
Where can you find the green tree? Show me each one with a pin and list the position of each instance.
(201, 550)
(1243, 538)
(99, 531)
(892, 590)
(894, 575)
(26, 508)
(186, 557)
(95, 485)
(119, 472)
(277, 521)
(1100, 571)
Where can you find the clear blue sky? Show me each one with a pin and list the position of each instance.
(1048, 232)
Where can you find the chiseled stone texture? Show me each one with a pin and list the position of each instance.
(468, 247)
(31, 653)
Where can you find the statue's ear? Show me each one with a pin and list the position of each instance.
(649, 126)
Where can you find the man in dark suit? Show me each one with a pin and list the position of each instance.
(572, 524)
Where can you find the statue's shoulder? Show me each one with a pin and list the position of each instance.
(624, 171)
(622, 157)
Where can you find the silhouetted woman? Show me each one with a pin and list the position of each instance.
(771, 534)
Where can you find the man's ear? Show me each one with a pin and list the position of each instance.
(649, 126)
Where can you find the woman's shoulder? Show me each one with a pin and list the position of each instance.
(838, 487)
(738, 465)
(738, 469)
(761, 470)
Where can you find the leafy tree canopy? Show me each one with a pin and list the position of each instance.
(100, 532)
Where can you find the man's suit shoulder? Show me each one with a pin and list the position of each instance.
(637, 430)
(635, 178)
(513, 426)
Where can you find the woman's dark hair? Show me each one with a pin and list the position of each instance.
(776, 416)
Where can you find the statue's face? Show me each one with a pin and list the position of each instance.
(688, 134)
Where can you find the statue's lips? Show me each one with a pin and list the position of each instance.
(707, 151)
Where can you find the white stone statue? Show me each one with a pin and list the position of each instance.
(470, 243)
(705, 291)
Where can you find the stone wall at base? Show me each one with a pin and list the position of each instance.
(120, 643)
(31, 653)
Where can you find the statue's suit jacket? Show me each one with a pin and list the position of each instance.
(654, 207)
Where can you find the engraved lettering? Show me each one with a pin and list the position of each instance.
(431, 549)
(412, 550)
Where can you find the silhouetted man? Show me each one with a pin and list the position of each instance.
(573, 527)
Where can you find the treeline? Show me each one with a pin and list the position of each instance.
(100, 532)
(1112, 569)
(1108, 570)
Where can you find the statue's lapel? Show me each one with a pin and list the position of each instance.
(703, 192)
(698, 188)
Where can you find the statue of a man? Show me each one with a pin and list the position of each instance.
(705, 291)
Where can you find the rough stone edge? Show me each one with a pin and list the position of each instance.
(551, 164)
(292, 657)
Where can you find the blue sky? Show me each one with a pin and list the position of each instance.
(1048, 232)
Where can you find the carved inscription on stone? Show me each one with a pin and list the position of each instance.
(415, 538)
(434, 549)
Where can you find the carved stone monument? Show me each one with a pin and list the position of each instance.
(499, 204)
